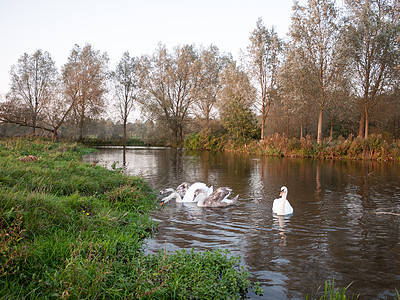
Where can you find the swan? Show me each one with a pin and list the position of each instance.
(191, 194)
(219, 198)
(181, 189)
(282, 206)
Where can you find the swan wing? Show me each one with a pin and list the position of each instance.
(217, 196)
(288, 208)
(190, 195)
(230, 201)
(210, 191)
(182, 188)
(277, 205)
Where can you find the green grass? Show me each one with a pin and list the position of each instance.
(74, 230)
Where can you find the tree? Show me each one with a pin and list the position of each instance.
(294, 90)
(264, 59)
(169, 83)
(373, 47)
(314, 32)
(212, 64)
(235, 103)
(126, 85)
(33, 81)
(84, 78)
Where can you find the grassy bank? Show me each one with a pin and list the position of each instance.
(74, 230)
(95, 142)
(375, 147)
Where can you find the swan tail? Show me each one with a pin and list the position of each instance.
(231, 201)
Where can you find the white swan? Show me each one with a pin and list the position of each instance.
(191, 194)
(282, 206)
(219, 198)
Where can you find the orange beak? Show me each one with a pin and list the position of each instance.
(281, 193)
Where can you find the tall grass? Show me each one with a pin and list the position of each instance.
(74, 230)
(330, 292)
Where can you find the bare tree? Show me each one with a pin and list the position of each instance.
(169, 83)
(264, 59)
(33, 80)
(84, 77)
(126, 85)
(372, 40)
(314, 34)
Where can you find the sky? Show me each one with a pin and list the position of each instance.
(136, 26)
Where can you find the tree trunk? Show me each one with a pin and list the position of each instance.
(81, 122)
(362, 122)
(81, 129)
(301, 128)
(124, 136)
(319, 136)
(287, 124)
(366, 124)
(262, 121)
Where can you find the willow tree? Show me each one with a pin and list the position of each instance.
(33, 81)
(373, 47)
(169, 84)
(212, 64)
(314, 38)
(264, 59)
(126, 84)
(84, 77)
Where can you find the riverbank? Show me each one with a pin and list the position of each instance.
(375, 147)
(75, 230)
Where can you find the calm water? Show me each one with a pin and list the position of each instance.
(337, 229)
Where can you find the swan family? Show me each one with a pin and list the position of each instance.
(205, 196)
(200, 194)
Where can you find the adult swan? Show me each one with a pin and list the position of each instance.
(191, 195)
(282, 206)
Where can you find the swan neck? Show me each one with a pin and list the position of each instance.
(172, 196)
(283, 201)
(202, 199)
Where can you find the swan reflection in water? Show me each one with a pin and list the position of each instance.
(279, 224)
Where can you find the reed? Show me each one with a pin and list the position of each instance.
(375, 147)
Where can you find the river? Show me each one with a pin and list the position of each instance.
(345, 225)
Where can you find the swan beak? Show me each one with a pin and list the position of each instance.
(162, 203)
(281, 193)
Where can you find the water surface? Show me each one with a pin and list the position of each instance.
(344, 224)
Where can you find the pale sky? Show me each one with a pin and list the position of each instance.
(117, 26)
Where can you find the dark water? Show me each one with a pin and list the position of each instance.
(340, 227)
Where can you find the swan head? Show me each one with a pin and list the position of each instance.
(284, 191)
(166, 199)
(167, 190)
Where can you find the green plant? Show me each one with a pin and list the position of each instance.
(332, 293)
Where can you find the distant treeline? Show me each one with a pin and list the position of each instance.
(336, 74)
